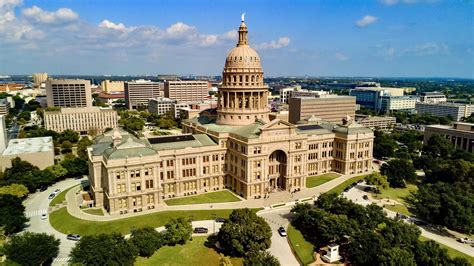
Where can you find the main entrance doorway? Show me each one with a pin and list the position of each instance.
(277, 170)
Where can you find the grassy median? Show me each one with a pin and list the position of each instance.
(302, 248)
(314, 181)
(63, 222)
(60, 197)
(453, 253)
(211, 197)
(338, 189)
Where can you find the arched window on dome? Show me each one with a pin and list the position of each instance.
(246, 78)
(252, 78)
(235, 78)
(257, 78)
(251, 59)
(240, 78)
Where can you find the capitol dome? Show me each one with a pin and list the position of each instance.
(243, 56)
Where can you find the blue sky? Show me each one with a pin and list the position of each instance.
(390, 38)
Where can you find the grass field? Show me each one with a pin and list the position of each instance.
(63, 222)
(192, 253)
(94, 211)
(211, 197)
(399, 208)
(60, 197)
(303, 249)
(343, 185)
(398, 194)
(452, 252)
(314, 181)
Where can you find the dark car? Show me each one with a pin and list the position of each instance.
(420, 222)
(52, 195)
(43, 188)
(365, 197)
(200, 230)
(220, 220)
(367, 189)
(73, 237)
(282, 231)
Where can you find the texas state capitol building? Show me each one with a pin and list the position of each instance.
(235, 146)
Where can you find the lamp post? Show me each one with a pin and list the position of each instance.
(213, 222)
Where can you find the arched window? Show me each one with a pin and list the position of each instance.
(240, 78)
(252, 78)
(246, 78)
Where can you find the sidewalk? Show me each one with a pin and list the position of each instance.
(278, 197)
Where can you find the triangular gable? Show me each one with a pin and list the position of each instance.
(277, 124)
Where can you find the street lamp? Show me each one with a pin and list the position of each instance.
(213, 222)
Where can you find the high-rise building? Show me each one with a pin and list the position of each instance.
(187, 90)
(455, 110)
(68, 93)
(4, 106)
(86, 121)
(112, 86)
(39, 78)
(235, 147)
(460, 134)
(138, 92)
(331, 108)
(160, 106)
(3, 133)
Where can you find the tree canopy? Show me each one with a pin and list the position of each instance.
(12, 216)
(147, 240)
(178, 231)
(32, 248)
(399, 172)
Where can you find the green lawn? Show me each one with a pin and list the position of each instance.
(399, 208)
(314, 181)
(343, 185)
(60, 197)
(303, 249)
(452, 252)
(192, 253)
(94, 211)
(63, 222)
(211, 197)
(398, 194)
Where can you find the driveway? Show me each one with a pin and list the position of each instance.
(37, 204)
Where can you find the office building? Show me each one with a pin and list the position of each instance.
(387, 103)
(176, 108)
(3, 133)
(454, 110)
(332, 108)
(68, 93)
(433, 97)
(86, 121)
(460, 134)
(187, 90)
(235, 147)
(138, 92)
(376, 122)
(39, 78)
(285, 93)
(4, 106)
(112, 86)
(37, 151)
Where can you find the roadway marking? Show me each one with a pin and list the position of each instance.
(63, 259)
(36, 213)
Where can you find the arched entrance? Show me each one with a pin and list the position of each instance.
(277, 170)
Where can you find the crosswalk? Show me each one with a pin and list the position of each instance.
(36, 213)
(63, 259)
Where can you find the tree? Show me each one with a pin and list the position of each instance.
(22, 172)
(384, 145)
(66, 146)
(82, 145)
(75, 166)
(103, 249)
(399, 172)
(244, 231)
(58, 171)
(438, 146)
(376, 179)
(260, 258)
(32, 248)
(69, 135)
(178, 231)
(397, 256)
(17, 190)
(12, 217)
(147, 240)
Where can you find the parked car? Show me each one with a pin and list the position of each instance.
(200, 230)
(420, 222)
(220, 220)
(365, 197)
(44, 216)
(57, 190)
(282, 231)
(52, 195)
(367, 189)
(465, 240)
(74, 237)
(43, 188)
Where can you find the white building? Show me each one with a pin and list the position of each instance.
(433, 97)
(160, 105)
(37, 151)
(455, 110)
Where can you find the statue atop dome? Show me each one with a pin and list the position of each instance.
(243, 17)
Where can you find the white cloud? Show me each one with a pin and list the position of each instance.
(106, 24)
(208, 40)
(428, 49)
(281, 42)
(366, 21)
(341, 57)
(407, 2)
(42, 16)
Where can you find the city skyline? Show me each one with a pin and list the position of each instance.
(328, 38)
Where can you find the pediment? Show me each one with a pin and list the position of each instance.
(277, 124)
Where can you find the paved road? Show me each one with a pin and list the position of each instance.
(356, 195)
(38, 203)
(280, 247)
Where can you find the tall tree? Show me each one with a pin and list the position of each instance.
(32, 248)
(147, 240)
(12, 216)
(399, 172)
(178, 231)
